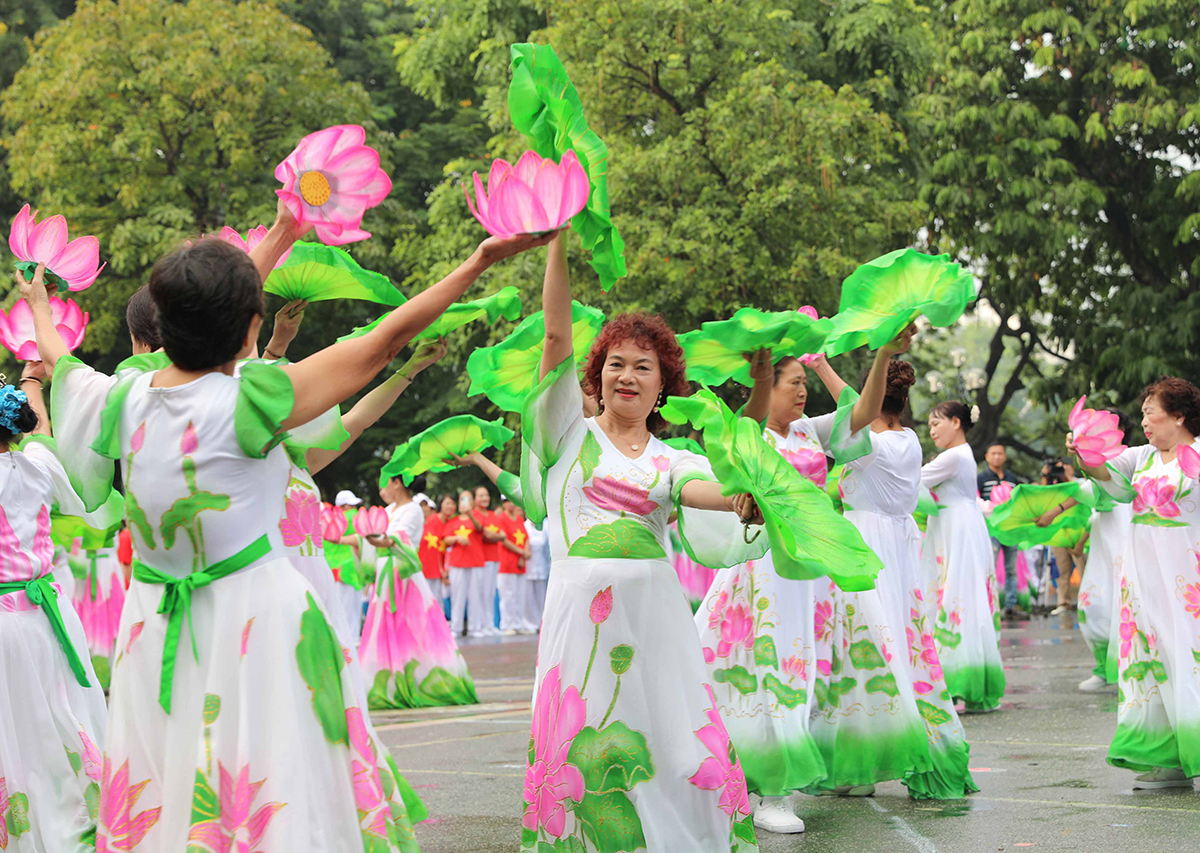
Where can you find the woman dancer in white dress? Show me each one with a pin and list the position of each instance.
(244, 729)
(628, 750)
(1158, 718)
(52, 714)
(956, 564)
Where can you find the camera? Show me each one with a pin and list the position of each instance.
(1054, 471)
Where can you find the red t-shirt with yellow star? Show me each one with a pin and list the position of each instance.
(432, 550)
(514, 531)
(469, 556)
(490, 521)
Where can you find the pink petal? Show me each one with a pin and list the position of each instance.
(576, 187)
(527, 168)
(259, 821)
(79, 260)
(501, 169)
(548, 189)
(319, 148)
(352, 170)
(1189, 461)
(710, 776)
(18, 237)
(1073, 419)
(48, 239)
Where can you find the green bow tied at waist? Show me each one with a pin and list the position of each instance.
(45, 596)
(177, 603)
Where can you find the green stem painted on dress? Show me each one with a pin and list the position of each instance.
(591, 660)
(612, 704)
(562, 505)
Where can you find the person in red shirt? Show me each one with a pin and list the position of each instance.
(432, 549)
(514, 551)
(492, 537)
(463, 535)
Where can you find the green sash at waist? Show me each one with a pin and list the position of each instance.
(177, 602)
(42, 594)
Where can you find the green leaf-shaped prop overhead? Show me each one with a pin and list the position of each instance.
(880, 298)
(505, 303)
(546, 108)
(715, 351)
(1014, 522)
(316, 272)
(683, 442)
(808, 538)
(507, 371)
(428, 451)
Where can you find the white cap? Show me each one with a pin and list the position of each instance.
(422, 498)
(346, 498)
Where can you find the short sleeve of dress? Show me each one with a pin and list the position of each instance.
(77, 398)
(939, 469)
(712, 538)
(551, 417)
(324, 432)
(265, 399)
(1122, 471)
(833, 430)
(42, 451)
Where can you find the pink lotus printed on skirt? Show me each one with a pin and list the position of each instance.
(737, 629)
(302, 518)
(331, 180)
(18, 335)
(77, 262)
(810, 463)
(619, 495)
(722, 771)
(533, 197)
(237, 828)
(558, 716)
(119, 828)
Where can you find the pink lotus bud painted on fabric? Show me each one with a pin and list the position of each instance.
(808, 311)
(535, 196)
(1097, 434)
(331, 180)
(922, 687)
(17, 333)
(1189, 460)
(661, 463)
(372, 521)
(602, 605)
(76, 262)
(189, 444)
(139, 437)
(333, 523)
(1000, 493)
(253, 237)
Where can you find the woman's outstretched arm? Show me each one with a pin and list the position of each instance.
(556, 307)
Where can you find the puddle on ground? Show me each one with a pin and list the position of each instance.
(957, 809)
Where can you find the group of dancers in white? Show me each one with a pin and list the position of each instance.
(238, 708)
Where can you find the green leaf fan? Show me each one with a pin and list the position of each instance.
(546, 108)
(505, 303)
(428, 451)
(683, 442)
(881, 297)
(316, 272)
(1014, 522)
(809, 539)
(715, 351)
(507, 371)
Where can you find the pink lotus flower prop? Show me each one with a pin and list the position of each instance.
(333, 523)
(77, 263)
(1097, 434)
(619, 495)
(535, 196)
(372, 521)
(330, 181)
(1000, 493)
(1189, 460)
(253, 237)
(16, 327)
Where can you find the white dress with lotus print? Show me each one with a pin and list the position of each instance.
(756, 630)
(628, 750)
(1158, 659)
(959, 573)
(257, 739)
(51, 725)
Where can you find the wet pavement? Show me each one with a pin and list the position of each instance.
(1039, 762)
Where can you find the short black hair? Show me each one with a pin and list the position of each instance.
(141, 316)
(26, 421)
(954, 409)
(207, 295)
(999, 444)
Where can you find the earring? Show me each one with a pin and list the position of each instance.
(661, 399)
(600, 406)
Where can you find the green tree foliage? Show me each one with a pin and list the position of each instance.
(1065, 146)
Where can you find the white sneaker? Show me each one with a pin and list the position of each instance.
(1162, 777)
(476, 634)
(774, 814)
(1093, 684)
(1062, 608)
(511, 632)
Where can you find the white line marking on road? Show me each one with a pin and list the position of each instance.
(916, 839)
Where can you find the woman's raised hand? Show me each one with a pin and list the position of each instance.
(495, 249)
(36, 291)
(762, 367)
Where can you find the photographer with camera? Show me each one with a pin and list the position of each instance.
(991, 476)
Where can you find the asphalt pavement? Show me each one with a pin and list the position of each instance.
(1039, 762)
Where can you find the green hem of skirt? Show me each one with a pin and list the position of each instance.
(979, 687)
(950, 777)
(853, 759)
(781, 769)
(1143, 750)
(1100, 653)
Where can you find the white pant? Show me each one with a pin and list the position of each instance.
(468, 591)
(535, 600)
(492, 567)
(513, 591)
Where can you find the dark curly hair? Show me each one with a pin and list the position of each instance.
(651, 332)
(1179, 398)
(900, 377)
(954, 409)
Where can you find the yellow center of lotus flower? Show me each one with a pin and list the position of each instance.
(314, 188)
